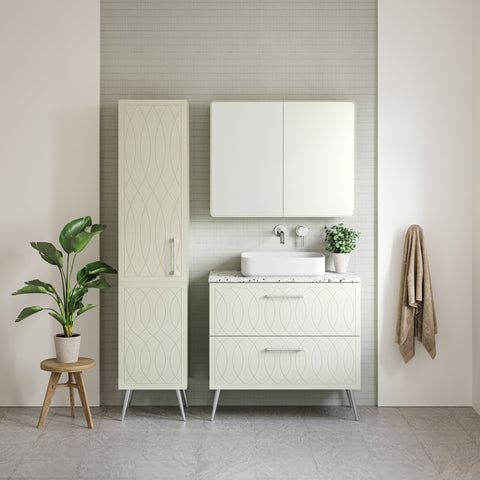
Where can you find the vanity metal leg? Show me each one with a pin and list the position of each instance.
(180, 404)
(185, 398)
(351, 401)
(126, 402)
(215, 403)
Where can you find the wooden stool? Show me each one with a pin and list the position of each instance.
(74, 370)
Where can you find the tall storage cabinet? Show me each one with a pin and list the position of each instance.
(153, 222)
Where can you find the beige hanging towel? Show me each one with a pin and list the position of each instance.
(416, 313)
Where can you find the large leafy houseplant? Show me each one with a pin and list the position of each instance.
(74, 237)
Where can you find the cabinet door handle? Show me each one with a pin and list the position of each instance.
(297, 349)
(174, 255)
(286, 296)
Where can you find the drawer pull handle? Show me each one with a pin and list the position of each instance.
(270, 349)
(285, 296)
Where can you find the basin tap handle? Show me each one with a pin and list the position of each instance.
(279, 231)
(301, 232)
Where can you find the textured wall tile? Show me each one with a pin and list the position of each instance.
(238, 50)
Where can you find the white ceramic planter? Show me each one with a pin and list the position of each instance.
(67, 348)
(340, 260)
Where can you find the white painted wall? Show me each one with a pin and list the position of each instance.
(49, 124)
(476, 204)
(424, 177)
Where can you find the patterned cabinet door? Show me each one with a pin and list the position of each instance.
(153, 190)
(284, 362)
(285, 309)
(153, 337)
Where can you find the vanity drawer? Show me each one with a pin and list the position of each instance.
(284, 362)
(285, 309)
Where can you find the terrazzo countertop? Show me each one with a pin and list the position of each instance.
(237, 277)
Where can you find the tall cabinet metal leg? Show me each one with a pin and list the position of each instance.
(180, 403)
(184, 393)
(215, 403)
(351, 401)
(126, 402)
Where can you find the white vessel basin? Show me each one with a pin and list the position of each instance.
(280, 264)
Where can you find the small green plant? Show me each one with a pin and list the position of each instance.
(340, 239)
(74, 237)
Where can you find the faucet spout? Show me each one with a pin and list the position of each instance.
(279, 231)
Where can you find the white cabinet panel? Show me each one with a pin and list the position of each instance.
(153, 195)
(285, 362)
(246, 159)
(319, 159)
(153, 223)
(285, 309)
(153, 346)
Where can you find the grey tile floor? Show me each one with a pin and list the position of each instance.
(242, 444)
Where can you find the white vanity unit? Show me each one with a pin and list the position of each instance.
(153, 225)
(284, 333)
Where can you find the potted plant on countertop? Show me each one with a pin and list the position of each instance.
(340, 242)
(74, 237)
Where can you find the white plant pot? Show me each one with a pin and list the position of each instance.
(340, 260)
(67, 348)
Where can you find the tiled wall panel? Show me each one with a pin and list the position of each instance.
(249, 50)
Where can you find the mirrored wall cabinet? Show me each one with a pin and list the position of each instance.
(282, 159)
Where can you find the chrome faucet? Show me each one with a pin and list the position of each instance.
(279, 231)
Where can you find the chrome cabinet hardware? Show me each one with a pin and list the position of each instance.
(174, 256)
(300, 295)
(297, 349)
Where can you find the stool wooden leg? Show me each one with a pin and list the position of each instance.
(83, 397)
(72, 397)
(52, 384)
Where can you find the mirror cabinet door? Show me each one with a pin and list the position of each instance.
(246, 159)
(319, 159)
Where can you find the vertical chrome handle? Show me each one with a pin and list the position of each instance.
(174, 247)
(297, 349)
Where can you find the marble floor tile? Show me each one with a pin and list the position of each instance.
(431, 419)
(18, 421)
(337, 470)
(379, 418)
(9, 461)
(474, 435)
(331, 419)
(467, 418)
(52, 466)
(454, 453)
(388, 470)
(395, 446)
(281, 425)
(342, 457)
(425, 412)
(245, 443)
(166, 464)
(235, 423)
(232, 461)
(281, 462)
